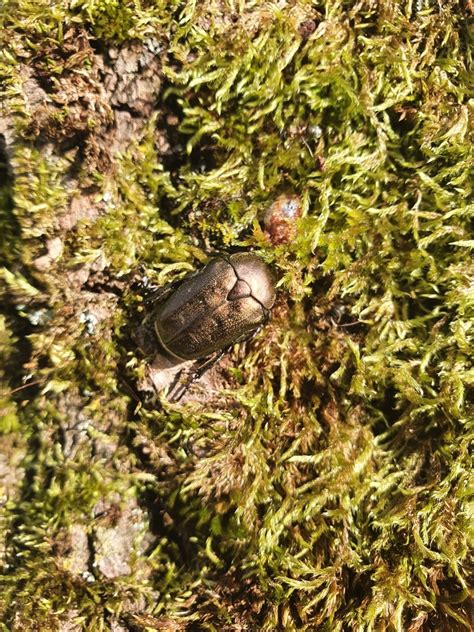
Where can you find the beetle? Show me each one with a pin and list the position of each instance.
(225, 302)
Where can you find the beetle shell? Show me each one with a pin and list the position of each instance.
(226, 301)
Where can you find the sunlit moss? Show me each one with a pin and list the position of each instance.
(327, 488)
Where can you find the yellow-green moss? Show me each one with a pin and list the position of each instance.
(328, 487)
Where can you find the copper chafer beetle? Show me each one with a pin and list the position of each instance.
(223, 303)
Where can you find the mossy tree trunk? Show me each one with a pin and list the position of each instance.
(317, 478)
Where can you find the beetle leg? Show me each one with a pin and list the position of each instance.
(156, 294)
(193, 376)
(181, 388)
(152, 293)
(173, 388)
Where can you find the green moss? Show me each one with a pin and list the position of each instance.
(8, 409)
(122, 20)
(327, 488)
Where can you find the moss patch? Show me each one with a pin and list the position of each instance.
(326, 487)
